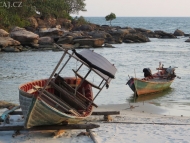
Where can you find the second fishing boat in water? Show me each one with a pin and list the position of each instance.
(152, 83)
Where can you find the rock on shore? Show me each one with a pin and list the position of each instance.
(178, 33)
(41, 34)
(24, 36)
(3, 33)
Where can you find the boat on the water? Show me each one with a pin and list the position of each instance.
(65, 100)
(152, 83)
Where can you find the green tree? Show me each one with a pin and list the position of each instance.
(74, 6)
(110, 17)
(17, 15)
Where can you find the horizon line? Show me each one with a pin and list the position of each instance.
(136, 16)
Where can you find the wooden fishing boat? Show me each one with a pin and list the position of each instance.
(152, 83)
(59, 99)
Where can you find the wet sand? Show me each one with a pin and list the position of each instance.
(137, 122)
(143, 107)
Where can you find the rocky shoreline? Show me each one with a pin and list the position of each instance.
(39, 36)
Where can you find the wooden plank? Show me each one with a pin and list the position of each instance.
(50, 127)
(71, 92)
(72, 110)
(106, 113)
(93, 113)
(64, 105)
(66, 95)
(68, 87)
(59, 101)
(16, 113)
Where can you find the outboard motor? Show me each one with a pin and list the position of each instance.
(147, 72)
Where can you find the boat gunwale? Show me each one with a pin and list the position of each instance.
(148, 81)
(30, 82)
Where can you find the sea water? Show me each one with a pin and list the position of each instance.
(129, 59)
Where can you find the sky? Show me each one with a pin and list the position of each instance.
(137, 8)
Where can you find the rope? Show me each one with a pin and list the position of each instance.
(147, 123)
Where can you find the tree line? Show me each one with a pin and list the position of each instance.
(15, 13)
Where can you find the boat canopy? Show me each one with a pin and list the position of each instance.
(98, 63)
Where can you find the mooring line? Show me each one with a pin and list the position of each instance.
(147, 123)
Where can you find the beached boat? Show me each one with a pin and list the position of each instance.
(152, 83)
(65, 99)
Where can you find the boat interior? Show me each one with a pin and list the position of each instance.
(160, 76)
(61, 94)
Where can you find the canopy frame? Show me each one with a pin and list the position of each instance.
(105, 80)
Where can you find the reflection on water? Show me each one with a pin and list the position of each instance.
(149, 97)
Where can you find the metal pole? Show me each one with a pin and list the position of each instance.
(79, 67)
(99, 92)
(82, 80)
(65, 64)
(53, 72)
(101, 82)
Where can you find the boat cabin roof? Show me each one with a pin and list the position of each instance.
(98, 63)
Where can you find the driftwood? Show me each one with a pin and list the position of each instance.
(5, 104)
(92, 135)
(50, 127)
(147, 123)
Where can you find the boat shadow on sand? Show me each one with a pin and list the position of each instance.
(147, 97)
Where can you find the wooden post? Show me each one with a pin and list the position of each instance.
(106, 113)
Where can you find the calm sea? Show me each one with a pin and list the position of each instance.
(168, 24)
(129, 59)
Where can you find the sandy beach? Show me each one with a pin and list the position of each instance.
(137, 122)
